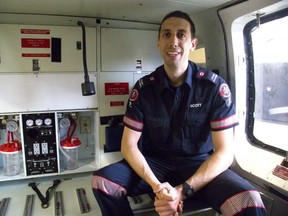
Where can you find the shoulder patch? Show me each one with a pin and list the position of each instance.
(208, 75)
(134, 95)
(225, 93)
(147, 80)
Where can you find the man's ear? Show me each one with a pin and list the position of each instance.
(194, 44)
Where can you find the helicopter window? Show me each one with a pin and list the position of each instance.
(266, 48)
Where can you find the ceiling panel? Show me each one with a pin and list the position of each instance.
(150, 11)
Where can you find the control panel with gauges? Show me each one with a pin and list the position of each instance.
(40, 143)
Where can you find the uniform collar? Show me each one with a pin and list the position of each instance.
(164, 82)
(189, 74)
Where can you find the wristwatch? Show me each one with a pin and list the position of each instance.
(188, 191)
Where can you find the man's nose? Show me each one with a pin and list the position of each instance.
(174, 41)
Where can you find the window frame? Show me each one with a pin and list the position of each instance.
(251, 91)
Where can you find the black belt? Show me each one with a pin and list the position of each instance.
(44, 200)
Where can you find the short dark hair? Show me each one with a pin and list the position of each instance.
(179, 14)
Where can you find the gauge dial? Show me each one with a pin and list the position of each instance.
(38, 122)
(64, 123)
(48, 121)
(12, 126)
(29, 122)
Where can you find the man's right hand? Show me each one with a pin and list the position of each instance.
(167, 207)
(167, 201)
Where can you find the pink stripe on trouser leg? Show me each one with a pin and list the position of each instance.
(240, 201)
(108, 187)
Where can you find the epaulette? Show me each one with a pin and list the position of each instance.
(208, 75)
(147, 80)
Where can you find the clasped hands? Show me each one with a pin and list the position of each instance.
(168, 200)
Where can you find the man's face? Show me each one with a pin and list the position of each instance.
(175, 42)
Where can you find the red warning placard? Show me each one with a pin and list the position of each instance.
(36, 55)
(281, 172)
(117, 88)
(116, 103)
(35, 31)
(35, 43)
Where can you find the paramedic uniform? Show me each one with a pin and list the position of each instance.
(176, 126)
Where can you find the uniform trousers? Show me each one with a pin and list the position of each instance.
(228, 194)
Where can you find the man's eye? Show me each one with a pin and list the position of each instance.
(166, 34)
(181, 35)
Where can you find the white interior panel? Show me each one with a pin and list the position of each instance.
(113, 77)
(48, 91)
(11, 50)
(121, 48)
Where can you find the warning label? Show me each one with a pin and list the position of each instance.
(117, 88)
(281, 172)
(116, 103)
(35, 31)
(35, 43)
(36, 55)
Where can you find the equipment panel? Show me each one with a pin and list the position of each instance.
(40, 149)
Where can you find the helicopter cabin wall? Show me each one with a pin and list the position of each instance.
(41, 70)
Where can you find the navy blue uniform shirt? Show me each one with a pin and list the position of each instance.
(178, 121)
